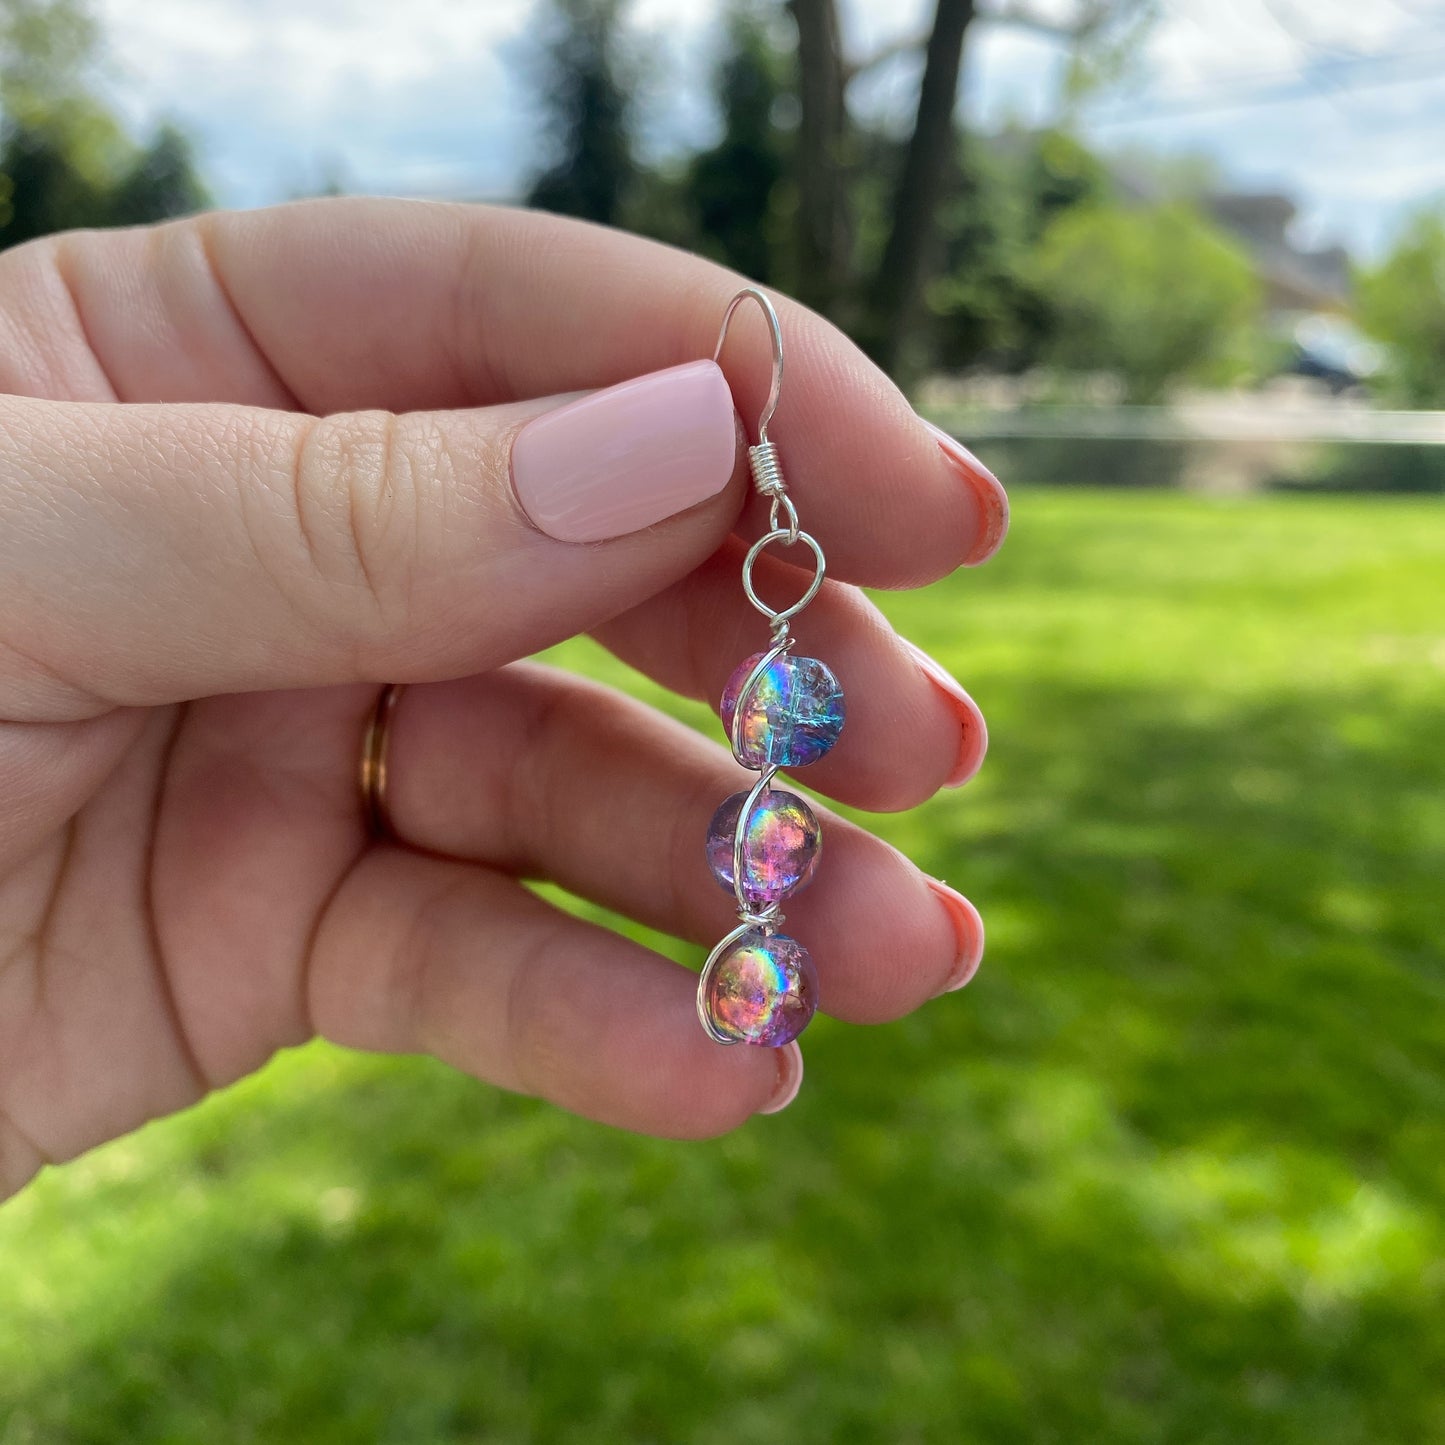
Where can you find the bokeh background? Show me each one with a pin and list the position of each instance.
(1172, 1168)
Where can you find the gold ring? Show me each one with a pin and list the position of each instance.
(373, 762)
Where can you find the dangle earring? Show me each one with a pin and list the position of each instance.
(759, 986)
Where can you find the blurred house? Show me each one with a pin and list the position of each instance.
(1294, 279)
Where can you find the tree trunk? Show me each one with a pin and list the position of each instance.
(896, 293)
(823, 233)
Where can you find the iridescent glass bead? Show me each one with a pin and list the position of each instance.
(793, 714)
(780, 845)
(763, 990)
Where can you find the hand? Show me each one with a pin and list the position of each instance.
(202, 587)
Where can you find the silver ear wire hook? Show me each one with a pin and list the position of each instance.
(776, 331)
(763, 460)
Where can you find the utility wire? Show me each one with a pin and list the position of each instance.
(1280, 87)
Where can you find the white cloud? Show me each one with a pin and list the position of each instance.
(426, 96)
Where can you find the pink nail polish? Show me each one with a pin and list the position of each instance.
(967, 929)
(790, 1079)
(974, 743)
(992, 499)
(624, 458)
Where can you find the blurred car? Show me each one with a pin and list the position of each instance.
(1332, 350)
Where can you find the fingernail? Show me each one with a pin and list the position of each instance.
(974, 743)
(790, 1079)
(967, 930)
(992, 499)
(624, 458)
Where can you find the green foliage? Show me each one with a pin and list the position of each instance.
(588, 81)
(1402, 302)
(737, 200)
(47, 48)
(731, 187)
(42, 189)
(55, 134)
(729, 201)
(162, 181)
(1153, 295)
(990, 301)
(1168, 1172)
(986, 302)
(1059, 172)
(45, 187)
(65, 161)
(982, 305)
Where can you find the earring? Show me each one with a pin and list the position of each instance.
(759, 986)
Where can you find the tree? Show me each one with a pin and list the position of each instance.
(162, 181)
(46, 50)
(985, 303)
(824, 232)
(587, 87)
(1402, 302)
(732, 186)
(1059, 172)
(880, 227)
(54, 132)
(1153, 295)
(1099, 32)
(40, 190)
(896, 290)
(65, 160)
(982, 305)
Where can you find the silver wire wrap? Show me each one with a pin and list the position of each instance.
(767, 471)
(783, 530)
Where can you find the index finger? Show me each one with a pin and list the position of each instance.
(357, 303)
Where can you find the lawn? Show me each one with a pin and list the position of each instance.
(1172, 1169)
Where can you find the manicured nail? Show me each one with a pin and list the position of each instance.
(622, 459)
(974, 743)
(790, 1079)
(992, 499)
(967, 929)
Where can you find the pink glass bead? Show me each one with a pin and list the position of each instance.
(793, 715)
(762, 990)
(780, 847)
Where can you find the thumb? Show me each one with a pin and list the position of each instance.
(154, 553)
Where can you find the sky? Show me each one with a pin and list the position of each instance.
(1340, 103)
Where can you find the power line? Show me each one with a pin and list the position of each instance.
(1281, 88)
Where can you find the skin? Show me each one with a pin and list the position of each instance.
(255, 465)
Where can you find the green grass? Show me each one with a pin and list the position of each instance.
(1171, 1170)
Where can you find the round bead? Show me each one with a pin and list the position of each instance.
(780, 846)
(793, 715)
(763, 990)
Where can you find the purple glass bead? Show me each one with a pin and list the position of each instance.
(762, 990)
(793, 715)
(780, 847)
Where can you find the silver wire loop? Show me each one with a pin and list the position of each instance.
(784, 503)
(776, 333)
(784, 535)
(703, 978)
